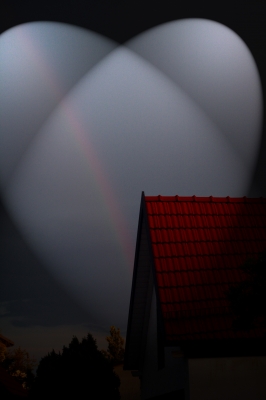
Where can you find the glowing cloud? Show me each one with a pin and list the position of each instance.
(87, 125)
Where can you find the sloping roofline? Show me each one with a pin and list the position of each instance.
(155, 211)
(7, 342)
(144, 279)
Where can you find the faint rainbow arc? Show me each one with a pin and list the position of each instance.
(101, 180)
(109, 199)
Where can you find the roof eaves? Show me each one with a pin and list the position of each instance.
(208, 348)
(7, 342)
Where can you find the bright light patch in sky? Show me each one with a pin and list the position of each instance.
(87, 125)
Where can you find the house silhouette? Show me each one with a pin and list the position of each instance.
(180, 336)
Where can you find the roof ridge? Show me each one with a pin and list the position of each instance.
(215, 199)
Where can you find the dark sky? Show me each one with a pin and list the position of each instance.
(37, 311)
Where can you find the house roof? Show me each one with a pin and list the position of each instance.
(190, 250)
(198, 245)
(7, 342)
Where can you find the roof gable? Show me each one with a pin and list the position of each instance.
(198, 244)
(7, 342)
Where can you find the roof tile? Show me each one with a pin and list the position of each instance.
(198, 244)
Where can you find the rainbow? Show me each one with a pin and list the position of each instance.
(117, 221)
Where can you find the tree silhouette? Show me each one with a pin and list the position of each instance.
(115, 351)
(80, 371)
(18, 363)
(248, 298)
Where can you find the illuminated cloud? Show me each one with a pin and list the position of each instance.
(87, 125)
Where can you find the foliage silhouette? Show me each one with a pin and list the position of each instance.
(18, 363)
(80, 371)
(115, 351)
(248, 298)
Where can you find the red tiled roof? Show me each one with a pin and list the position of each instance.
(7, 342)
(198, 244)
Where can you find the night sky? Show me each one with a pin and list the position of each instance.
(69, 213)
